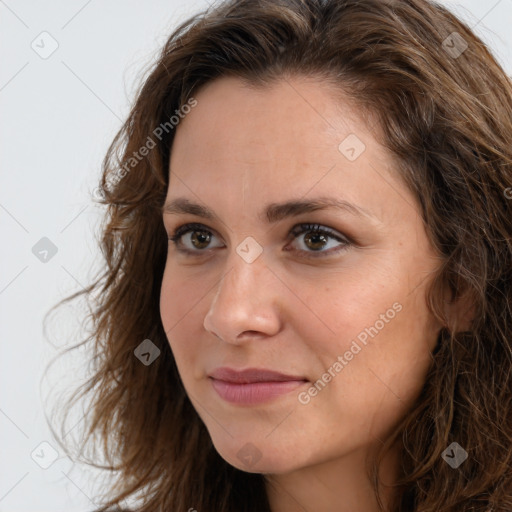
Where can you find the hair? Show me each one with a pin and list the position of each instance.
(446, 118)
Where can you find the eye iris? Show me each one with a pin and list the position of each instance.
(318, 240)
(203, 239)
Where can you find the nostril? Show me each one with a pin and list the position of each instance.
(251, 334)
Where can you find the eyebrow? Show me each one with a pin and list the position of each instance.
(274, 212)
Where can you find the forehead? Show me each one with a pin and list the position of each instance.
(308, 95)
(292, 120)
(274, 142)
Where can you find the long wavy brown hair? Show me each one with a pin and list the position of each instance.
(444, 105)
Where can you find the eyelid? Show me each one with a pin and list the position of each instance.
(183, 229)
(190, 226)
(304, 227)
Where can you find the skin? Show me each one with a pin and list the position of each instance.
(238, 150)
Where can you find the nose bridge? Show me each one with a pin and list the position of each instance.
(244, 299)
(242, 282)
(246, 268)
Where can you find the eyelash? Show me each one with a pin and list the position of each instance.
(295, 231)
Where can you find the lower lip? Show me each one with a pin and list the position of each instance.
(254, 393)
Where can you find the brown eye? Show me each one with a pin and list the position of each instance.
(316, 238)
(198, 241)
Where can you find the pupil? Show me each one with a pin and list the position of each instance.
(202, 238)
(320, 240)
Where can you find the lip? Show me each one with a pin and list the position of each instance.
(251, 375)
(252, 385)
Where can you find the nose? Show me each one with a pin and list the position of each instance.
(246, 302)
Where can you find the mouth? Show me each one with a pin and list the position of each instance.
(253, 385)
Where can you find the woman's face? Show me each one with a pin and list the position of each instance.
(342, 314)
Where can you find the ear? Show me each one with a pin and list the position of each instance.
(460, 311)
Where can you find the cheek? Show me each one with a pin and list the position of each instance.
(178, 296)
(385, 362)
(179, 308)
(381, 328)
(344, 303)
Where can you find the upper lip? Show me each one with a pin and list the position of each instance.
(251, 375)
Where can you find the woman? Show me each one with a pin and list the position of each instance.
(307, 292)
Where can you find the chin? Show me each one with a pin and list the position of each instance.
(254, 457)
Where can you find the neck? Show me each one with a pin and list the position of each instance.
(340, 484)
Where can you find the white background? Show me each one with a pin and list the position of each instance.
(58, 116)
